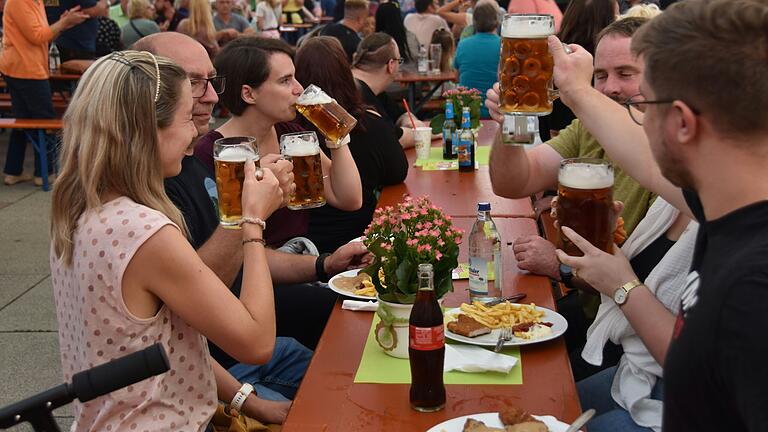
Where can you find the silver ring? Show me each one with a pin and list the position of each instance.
(567, 49)
(259, 174)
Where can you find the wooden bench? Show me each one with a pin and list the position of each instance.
(39, 139)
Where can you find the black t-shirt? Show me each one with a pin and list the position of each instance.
(349, 38)
(380, 161)
(716, 370)
(194, 193)
(383, 104)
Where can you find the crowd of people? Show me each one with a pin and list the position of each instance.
(137, 248)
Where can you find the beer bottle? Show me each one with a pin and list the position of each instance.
(426, 346)
(466, 147)
(449, 131)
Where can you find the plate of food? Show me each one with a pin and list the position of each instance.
(509, 420)
(354, 284)
(478, 324)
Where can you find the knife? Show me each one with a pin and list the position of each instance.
(581, 420)
(513, 298)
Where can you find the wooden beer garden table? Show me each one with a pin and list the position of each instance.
(458, 193)
(330, 400)
(413, 80)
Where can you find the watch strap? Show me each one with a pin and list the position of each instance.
(240, 397)
(566, 275)
(322, 276)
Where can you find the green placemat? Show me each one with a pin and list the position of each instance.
(436, 161)
(377, 367)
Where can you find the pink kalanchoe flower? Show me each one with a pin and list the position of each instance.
(440, 242)
(411, 242)
(438, 255)
(386, 246)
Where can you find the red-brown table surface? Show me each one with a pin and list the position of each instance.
(457, 193)
(329, 400)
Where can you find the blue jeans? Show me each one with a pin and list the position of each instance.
(595, 392)
(30, 99)
(278, 379)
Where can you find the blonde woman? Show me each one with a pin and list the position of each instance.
(141, 14)
(269, 15)
(124, 275)
(199, 26)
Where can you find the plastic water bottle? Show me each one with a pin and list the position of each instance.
(54, 58)
(422, 65)
(484, 257)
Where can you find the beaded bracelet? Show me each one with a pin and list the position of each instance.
(255, 240)
(257, 221)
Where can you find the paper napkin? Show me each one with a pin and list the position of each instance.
(469, 358)
(355, 305)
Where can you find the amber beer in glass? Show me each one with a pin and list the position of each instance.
(525, 66)
(303, 149)
(229, 157)
(426, 346)
(585, 202)
(325, 113)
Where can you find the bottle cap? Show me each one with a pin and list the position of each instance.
(484, 206)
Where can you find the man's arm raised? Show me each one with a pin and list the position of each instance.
(516, 172)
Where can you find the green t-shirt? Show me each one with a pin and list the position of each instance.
(575, 141)
(116, 14)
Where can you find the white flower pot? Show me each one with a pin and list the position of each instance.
(392, 331)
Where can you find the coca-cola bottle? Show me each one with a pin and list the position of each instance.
(426, 346)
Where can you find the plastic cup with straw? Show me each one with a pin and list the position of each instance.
(422, 136)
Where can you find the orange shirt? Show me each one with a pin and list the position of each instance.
(25, 40)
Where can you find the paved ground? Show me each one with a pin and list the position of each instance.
(29, 348)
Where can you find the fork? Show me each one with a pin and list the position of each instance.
(504, 336)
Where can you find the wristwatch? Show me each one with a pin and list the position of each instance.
(566, 275)
(241, 396)
(621, 294)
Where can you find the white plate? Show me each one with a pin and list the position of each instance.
(491, 419)
(559, 325)
(345, 293)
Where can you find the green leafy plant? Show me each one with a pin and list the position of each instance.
(401, 238)
(461, 97)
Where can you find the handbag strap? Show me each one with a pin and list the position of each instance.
(141, 35)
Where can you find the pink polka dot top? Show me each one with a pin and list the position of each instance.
(95, 326)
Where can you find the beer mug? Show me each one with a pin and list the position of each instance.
(525, 66)
(303, 150)
(325, 113)
(585, 203)
(229, 157)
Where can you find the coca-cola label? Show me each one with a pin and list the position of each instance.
(426, 338)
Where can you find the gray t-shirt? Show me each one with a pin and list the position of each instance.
(137, 29)
(236, 22)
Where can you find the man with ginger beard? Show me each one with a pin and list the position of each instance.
(517, 172)
(194, 192)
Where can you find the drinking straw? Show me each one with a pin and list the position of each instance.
(408, 110)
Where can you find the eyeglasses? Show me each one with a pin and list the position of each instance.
(200, 85)
(399, 60)
(637, 100)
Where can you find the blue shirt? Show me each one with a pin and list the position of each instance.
(81, 37)
(477, 59)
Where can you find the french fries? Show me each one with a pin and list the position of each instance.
(503, 314)
(367, 290)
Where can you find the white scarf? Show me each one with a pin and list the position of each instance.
(637, 371)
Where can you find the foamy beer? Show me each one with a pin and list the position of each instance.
(303, 150)
(229, 157)
(525, 66)
(585, 202)
(325, 113)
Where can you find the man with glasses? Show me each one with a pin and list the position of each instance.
(375, 65)
(194, 192)
(702, 147)
(517, 172)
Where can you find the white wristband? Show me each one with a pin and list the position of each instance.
(333, 146)
(240, 397)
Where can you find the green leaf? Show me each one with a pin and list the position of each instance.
(437, 123)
